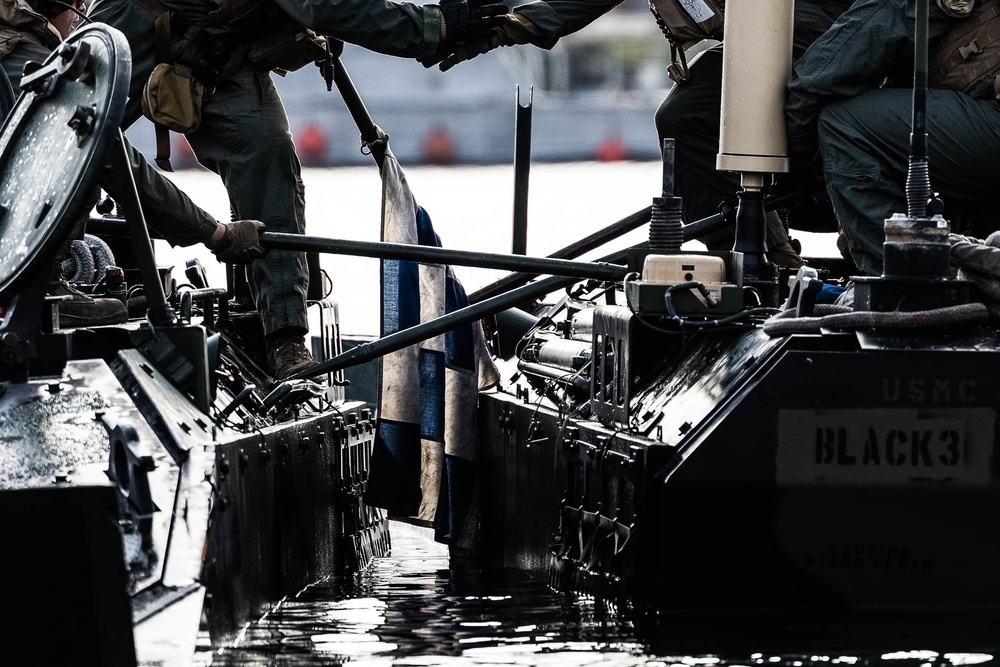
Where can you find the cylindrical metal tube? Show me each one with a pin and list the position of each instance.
(756, 64)
(570, 355)
(437, 255)
(916, 247)
(522, 167)
(582, 325)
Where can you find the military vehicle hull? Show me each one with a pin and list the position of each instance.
(128, 504)
(716, 434)
(835, 471)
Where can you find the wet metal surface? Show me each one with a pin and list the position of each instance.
(410, 609)
(54, 426)
(712, 368)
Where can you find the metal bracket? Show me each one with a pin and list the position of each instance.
(74, 62)
(181, 353)
(129, 463)
(803, 289)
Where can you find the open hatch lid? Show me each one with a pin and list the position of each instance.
(53, 146)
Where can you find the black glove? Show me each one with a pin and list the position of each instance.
(240, 244)
(470, 18)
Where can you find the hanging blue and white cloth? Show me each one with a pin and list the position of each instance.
(424, 466)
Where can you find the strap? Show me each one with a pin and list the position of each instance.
(162, 147)
(162, 39)
(162, 54)
(677, 70)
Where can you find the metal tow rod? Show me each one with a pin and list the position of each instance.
(436, 255)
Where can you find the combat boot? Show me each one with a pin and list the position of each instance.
(81, 310)
(287, 354)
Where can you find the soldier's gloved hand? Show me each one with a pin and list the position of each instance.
(239, 242)
(978, 261)
(976, 254)
(469, 18)
(514, 29)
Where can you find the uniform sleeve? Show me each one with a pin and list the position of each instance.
(165, 206)
(394, 28)
(558, 18)
(867, 43)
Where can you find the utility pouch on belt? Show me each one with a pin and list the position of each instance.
(172, 98)
(685, 23)
(967, 57)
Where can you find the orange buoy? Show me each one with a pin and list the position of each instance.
(612, 149)
(181, 155)
(438, 147)
(311, 145)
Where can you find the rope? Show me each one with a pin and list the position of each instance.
(841, 318)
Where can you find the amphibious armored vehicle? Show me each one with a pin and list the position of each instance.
(712, 434)
(152, 481)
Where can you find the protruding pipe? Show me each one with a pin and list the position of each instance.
(522, 166)
(667, 155)
(756, 64)
(666, 225)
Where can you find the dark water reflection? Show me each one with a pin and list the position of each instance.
(409, 609)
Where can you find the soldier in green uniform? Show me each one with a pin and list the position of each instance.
(243, 133)
(850, 100)
(29, 30)
(690, 112)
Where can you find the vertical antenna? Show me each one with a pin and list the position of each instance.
(918, 183)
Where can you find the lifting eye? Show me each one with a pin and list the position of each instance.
(128, 468)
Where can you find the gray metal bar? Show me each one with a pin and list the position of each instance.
(421, 332)
(522, 165)
(159, 311)
(576, 249)
(419, 253)
(446, 323)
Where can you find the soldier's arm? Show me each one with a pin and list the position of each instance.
(165, 206)
(558, 18)
(394, 28)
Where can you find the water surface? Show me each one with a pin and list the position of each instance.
(410, 609)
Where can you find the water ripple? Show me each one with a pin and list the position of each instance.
(410, 609)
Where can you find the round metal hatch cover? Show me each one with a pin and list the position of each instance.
(53, 146)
